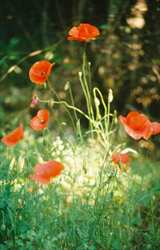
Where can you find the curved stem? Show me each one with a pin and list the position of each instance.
(55, 93)
(68, 106)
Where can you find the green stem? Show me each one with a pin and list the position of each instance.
(72, 101)
(70, 107)
(55, 93)
(85, 81)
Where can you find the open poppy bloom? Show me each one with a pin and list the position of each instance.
(85, 32)
(137, 125)
(45, 172)
(119, 157)
(121, 160)
(40, 121)
(40, 71)
(13, 137)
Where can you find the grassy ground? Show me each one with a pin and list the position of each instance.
(85, 207)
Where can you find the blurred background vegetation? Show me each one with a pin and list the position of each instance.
(126, 58)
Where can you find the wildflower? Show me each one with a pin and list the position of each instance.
(119, 157)
(137, 125)
(34, 101)
(40, 71)
(121, 160)
(45, 172)
(13, 137)
(40, 121)
(83, 33)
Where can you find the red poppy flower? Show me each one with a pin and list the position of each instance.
(83, 33)
(137, 125)
(40, 121)
(40, 71)
(45, 172)
(118, 157)
(13, 137)
(155, 128)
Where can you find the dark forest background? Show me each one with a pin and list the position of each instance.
(126, 58)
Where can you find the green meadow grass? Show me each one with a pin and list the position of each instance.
(76, 211)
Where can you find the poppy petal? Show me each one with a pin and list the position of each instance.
(155, 128)
(40, 71)
(40, 121)
(118, 157)
(45, 172)
(13, 137)
(36, 125)
(136, 125)
(83, 33)
(128, 129)
(43, 115)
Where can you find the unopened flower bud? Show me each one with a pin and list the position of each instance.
(97, 102)
(34, 101)
(66, 87)
(110, 96)
(80, 74)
